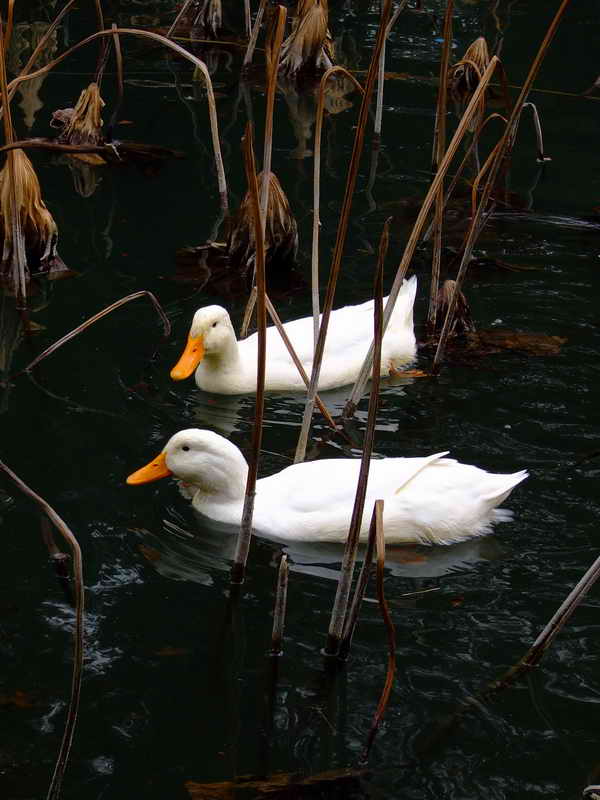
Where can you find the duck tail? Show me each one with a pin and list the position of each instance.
(402, 316)
(501, 486)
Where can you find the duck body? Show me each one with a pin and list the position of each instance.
(228, 366)
(427, 500)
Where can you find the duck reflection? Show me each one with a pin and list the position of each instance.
(200, 550)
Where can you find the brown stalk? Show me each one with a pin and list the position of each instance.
(470, 111)
(69, 731)
(254, 36)
(340, 606)
(214, 125)
(9, 24)
(243, 542)
(439, 147)
(95, 318)
(179, 16)
(461, 167)
(27, 227)
(280, 607)
(530, 659)
(501, 157)
(342, 231)
(120, 84)
(306, 46)
(381, 72)
(391, 634)
(317, 190)
(359, 591)
(247, 18)
(272, 69)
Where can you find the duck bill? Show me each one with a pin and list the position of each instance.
(153, 471)
(190, 358)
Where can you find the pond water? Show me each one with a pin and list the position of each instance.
(175, 683)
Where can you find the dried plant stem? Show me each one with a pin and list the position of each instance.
(340, 606)
(341, 232)
(212, 108)
(255, 31)
(247, 19)
(243, 542)
(100, 315)
(541, 154)
(9, 24)
(381, 71)
(290, 348)
(120, 82)
(391, 634)
(67, 739)
(270, 105)
(501, 156)
(280, 607)
(463, 126)
(179, 16)
(317, 189)
(272, 69)
(359, 591)
(439, 146)
(530, 659)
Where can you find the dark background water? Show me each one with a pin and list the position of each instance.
(174, 689)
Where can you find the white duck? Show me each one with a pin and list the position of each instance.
(430, 500)
(225, 366)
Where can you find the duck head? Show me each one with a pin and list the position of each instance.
(211, 334)
(203, 459)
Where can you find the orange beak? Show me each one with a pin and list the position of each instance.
(151, 472)
(190, 358)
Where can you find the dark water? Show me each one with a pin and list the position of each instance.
(174, 686)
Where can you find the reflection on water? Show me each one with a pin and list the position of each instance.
(194, 549)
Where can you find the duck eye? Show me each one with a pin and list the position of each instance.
(185, 447)
(214, 324)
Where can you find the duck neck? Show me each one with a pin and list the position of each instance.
(224, 482)
(226, 359)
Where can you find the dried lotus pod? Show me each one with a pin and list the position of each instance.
(463, 321)
(29, 233)
(82, 124)
(310, 45)
(464, 76)
(281, 231)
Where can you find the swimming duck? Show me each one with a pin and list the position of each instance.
(225, 366)
(430, 500)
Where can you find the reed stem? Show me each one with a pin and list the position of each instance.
(54, 789)
(340, 606)
(280, 607)
(243, 542)
(341, 232)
